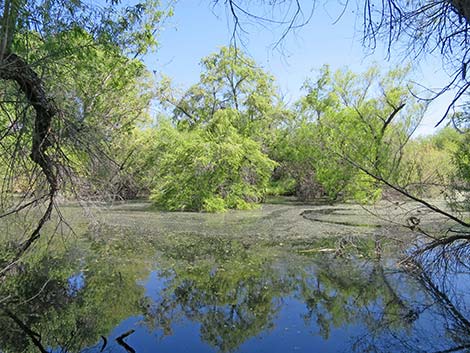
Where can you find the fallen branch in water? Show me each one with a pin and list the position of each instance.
(121, 342)
(105, 342)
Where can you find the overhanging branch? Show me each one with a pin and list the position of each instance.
(14, 68)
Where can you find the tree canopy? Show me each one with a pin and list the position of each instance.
(76, 123)
(48, 51)
(76, 100)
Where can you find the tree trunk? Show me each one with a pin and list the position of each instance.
(14, 68)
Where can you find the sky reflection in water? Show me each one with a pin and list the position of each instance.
(187, 294)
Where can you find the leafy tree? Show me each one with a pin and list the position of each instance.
(348, 120)
(427, 166)
(105, 95)
(420, 27)
(210, 168)
(217, 156)
(229, 80)
(111, 96)
(423, 27)
(296, 151)
(36, 39)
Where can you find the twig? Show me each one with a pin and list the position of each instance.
(120, 341)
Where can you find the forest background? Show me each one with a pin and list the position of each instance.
(79, 121)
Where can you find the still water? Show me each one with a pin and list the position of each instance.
(274, 280)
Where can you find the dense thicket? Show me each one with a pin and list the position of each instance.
(229, 142)
(214, 152)
(75, 124)
(209, 168)
(66, 68)
(346, 117)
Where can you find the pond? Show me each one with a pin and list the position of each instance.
(286, 278)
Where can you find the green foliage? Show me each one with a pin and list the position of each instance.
(282, 186)
(209, 168)
(229, 80)
(217, 155)
(447, 139)
(461, 173)
(427, 166)
(107, 95)
(82, 57)
(347, 122)
(129, 28)
(214, 204)
(462, 158)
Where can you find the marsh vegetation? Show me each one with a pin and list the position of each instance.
(233, 282)
(136, 215)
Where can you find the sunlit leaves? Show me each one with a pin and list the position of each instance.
(347, 117)
(209, 168)
(230, 80)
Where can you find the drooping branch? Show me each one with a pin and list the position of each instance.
(425, 27)
(284, 15)
(14, 68)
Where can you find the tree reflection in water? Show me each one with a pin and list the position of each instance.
(234, 290)
(71, 298)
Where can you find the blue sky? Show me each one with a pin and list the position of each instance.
(197, 29)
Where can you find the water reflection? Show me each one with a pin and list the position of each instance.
(68, 299)
(233, 291)
(191, 293)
